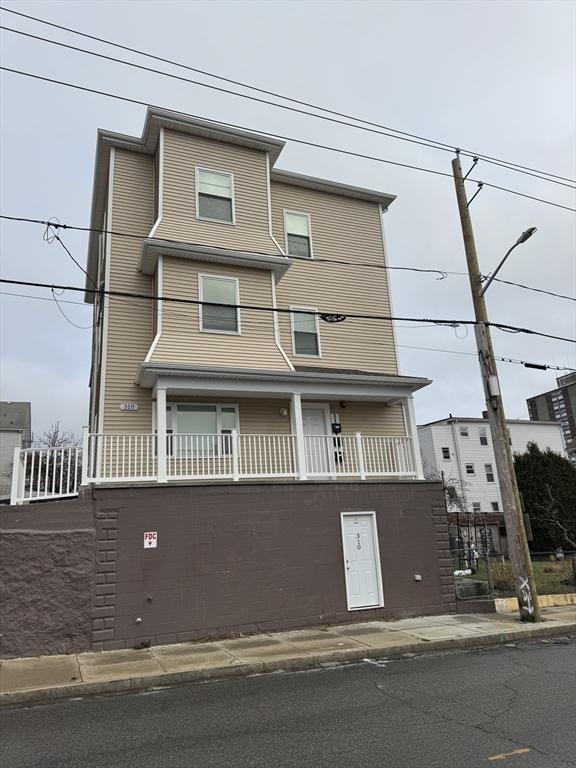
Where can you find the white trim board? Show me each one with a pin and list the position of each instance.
(106, 308)
(201, 276)
(197, 192)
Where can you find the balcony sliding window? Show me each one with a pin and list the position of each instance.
(305, 334)
(214, 195)
(223, 291)
(298, 238)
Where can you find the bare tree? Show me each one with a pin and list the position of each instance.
(55, 437)
(454, 489)
(550, 514)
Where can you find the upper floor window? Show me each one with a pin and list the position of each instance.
(489, 473)
(483, 436)
(214, 195)
(495, 507)
(223, 291)
(476, 506)
(305, 333)
(445, 453)
(464, 432)
(298, 238)
(470, 469)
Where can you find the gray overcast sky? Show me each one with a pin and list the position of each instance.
(496, 77)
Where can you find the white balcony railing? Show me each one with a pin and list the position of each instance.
(112, 458)
(44, 474)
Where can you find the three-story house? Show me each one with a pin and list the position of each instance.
(197, 384)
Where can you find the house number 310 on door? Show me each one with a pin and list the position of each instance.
(358, 544)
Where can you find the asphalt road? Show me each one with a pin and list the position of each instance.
(513, 707)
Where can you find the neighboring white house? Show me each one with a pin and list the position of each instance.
(462, 449)
(15, 432)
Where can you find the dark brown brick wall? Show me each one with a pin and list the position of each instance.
(248, 558)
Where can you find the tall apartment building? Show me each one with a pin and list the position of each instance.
(558, 405)
(462, 449)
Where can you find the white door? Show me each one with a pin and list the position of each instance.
(318, 444)
(361, 560)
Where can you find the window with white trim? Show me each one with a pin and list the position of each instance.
(470, 469)
(489, 473)
(214, 195)
(202, 429)
(305, 333)
(495, 506)
(298, 238)
(445, 453)
(476, 506)
(464, 432)
(222, 291)
(483, 436)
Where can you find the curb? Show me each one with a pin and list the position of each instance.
(296, 664)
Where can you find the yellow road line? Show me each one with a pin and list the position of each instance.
(504, 755)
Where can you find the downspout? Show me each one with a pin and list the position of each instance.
(272, 275)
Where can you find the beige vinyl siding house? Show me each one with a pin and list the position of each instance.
(203, 389)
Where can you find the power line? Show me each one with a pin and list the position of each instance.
(536, 290)
(327, 315)
(173, 76)
(442, 272)
(402, 135)
(547, 366)
(51, 234)
(326, 147)
(543, 366)
(65, 316)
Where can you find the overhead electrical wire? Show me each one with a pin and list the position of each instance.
(303, 142)
(442, 272)
(546, 366)
(327, 315)
(384, 130)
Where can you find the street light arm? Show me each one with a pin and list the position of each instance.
(498, 268)
(522, 239)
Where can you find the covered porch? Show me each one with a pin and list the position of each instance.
(221, 425)
(217, 424)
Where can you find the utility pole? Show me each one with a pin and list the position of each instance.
(517, 544)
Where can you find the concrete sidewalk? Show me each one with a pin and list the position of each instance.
(55, 677)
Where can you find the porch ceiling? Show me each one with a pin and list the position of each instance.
(197, 380)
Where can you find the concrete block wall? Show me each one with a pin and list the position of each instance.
(231, 559)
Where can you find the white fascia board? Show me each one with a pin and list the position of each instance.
(152, 249)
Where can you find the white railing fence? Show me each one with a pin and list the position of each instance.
(45, 473)
(358, 456)
(108, 458)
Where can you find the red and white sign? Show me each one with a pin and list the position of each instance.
(150, 539)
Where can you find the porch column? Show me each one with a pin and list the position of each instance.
(412, 430)
(161, 434)
(298, 426)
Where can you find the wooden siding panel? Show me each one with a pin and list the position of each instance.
(130, 322)
(181, 341)
(347, 229)
(182, 154)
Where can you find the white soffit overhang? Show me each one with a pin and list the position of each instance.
(153, 248)
(264, 383)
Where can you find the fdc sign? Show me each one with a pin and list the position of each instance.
(150, 539)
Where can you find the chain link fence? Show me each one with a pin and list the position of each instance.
(554, 573)
(477, 573)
